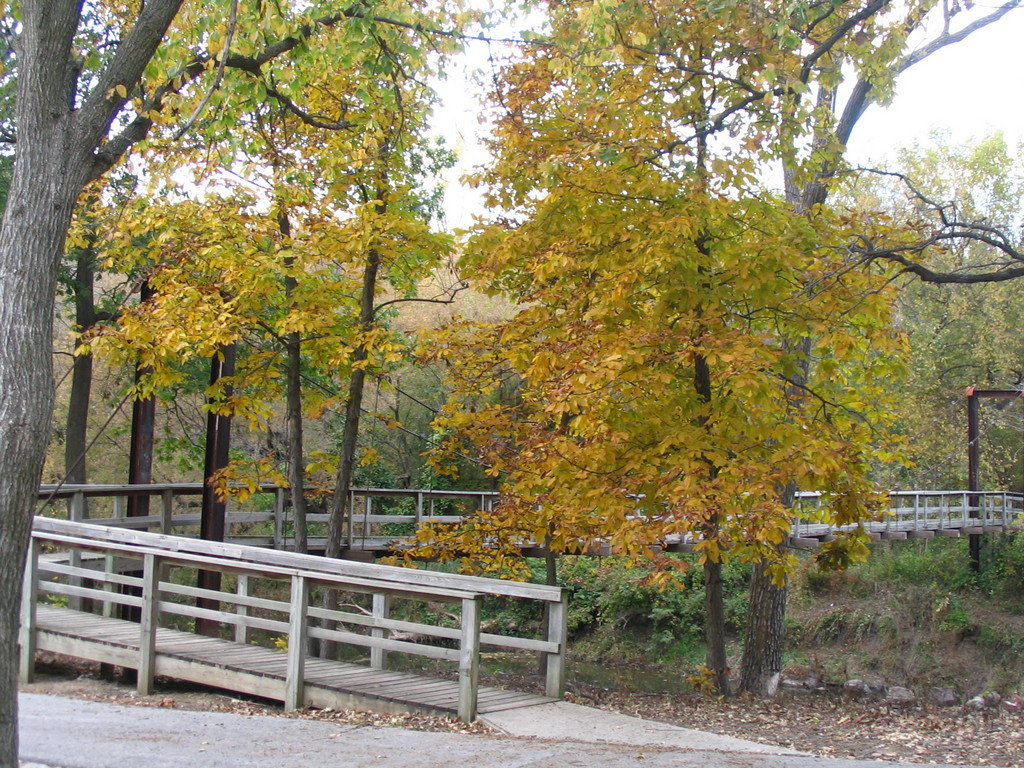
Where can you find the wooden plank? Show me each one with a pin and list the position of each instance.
(469, 659)
(87, 649)
(166, 510)
(423, 694)
(408, 688)
(514, 705)
(921, 533)
(228, 679)
(496, 698)
(242, 608)
(178, 554)
(894, 535)
(557, 634)
(804, 542)
(297, 640)
(366, 641)
(949, 533)
(29, 612)
(519, 643)
(381, 612)
(56, 588)
(409, 577)
(363, 676)
(148, 625)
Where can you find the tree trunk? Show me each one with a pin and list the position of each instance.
(714, 627)
(55, 157)
(715, 657)
(31, 242)
(212, 522)
(293, 409)
(353, 409)
(140, 454)
(77, 423)
(35, 224)
(346, 460)
(765, 636)
(296, 460)
(340, 502)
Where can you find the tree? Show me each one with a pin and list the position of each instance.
(631, 148)
(76, 114)
(689, 342)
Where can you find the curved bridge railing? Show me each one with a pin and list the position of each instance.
(382, 517)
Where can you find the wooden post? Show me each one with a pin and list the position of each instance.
(167, 511)
(242, 590)
(148, 623)
(367, 511)
(109, 562)
(27, 631)
(381, 610)
(294, 693)
(557, 630)
(77, 514)
(469, 658)
(419, 508)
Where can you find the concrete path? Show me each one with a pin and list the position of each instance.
(72, 733)
(562, 721)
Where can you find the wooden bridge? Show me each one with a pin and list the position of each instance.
(118, 589)
(381, 518)
(78, 577)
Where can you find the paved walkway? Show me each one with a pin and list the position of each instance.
(72, 733)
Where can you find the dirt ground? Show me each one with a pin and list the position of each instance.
(830, 725)
(826, 724)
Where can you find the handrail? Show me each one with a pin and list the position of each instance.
(368, 528)
(424, 501)
(160, 552)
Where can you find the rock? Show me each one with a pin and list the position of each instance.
(858, 687)
(811, 682)
(1014, 703)
(943, 697)
(983, 702)
(876, 684)
(901, 697)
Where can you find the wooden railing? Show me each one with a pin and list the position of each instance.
(100, 567)
(925, 512)
(378, 516)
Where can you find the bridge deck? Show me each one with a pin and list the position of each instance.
(260, 671)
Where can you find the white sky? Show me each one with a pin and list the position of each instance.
(968, 89)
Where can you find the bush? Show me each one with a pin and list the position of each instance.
(604, 593)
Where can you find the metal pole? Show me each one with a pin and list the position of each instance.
(973, 472)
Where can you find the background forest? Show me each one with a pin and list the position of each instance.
(957, 336)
